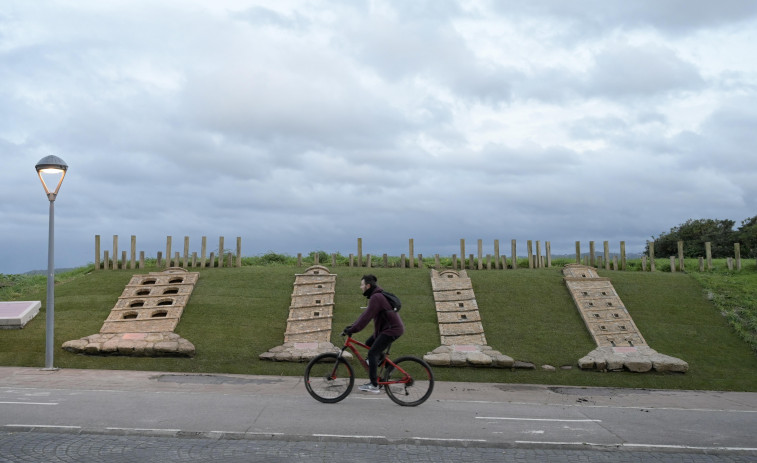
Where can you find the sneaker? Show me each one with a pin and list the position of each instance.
(368, 387)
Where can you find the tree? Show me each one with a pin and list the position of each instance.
(694, 234)
(747, 236)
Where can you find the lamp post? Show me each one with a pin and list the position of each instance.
(52, 168)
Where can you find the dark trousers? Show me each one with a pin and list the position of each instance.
(377, 346)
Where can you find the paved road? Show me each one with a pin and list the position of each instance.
(88, 415)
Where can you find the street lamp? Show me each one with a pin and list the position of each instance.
(53, 169)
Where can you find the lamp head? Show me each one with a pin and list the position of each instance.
(51, 167)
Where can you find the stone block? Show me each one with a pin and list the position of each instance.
(503, 361)
(638, 365)
(438, 359)
(76, 345)
(479, 359)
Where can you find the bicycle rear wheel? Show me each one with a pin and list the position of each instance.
(329, 378)
(415, 386)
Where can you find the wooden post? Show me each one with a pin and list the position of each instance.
(652, 264)
(403, 262)
(212, 259)
(352, 260)
(411, 253)
(496, 254)
(333, 259)
(194, 259)
(185, 262)
(681, 264)
(504, 262)
(530, 250)
(133, 255)
(514, 254)
(106, 261)
(737, 252)
(454, 261)
(203, 250)
(316, 258)
(592, 254)
(420, 261)
(462, 253)
(159, 259)
(471, 262)
(177, 259)
(548, 250)
(360, 252)
(386, 260)
(229, 260)
(644, 263)
(578, 252)
(623, 255)
(299, 259)
(220, 251)
(539, 263)
(168, 251)
(480, 254)
(115, 252)
(141, 259)
(708, 254)
(488, 262)
(239, 251)
(123, 259)
(607, 254)
(97, 252)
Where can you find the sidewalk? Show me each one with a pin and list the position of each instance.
(127, 380)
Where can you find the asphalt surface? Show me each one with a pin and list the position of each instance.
(112, 416)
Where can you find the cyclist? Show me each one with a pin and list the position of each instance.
(387, 327)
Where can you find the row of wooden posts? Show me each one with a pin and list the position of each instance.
(535, 257)
(177, 260)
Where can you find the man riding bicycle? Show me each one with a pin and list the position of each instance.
(387, 327)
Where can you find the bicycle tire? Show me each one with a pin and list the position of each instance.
(329, 378)
(421, 384)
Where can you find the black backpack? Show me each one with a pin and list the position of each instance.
(393, 301)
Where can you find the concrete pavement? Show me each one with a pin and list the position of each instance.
(28, 422)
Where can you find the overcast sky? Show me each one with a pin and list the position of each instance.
(302, 126)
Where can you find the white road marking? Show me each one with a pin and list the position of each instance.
(535, 419)
(343, 436)
(144, 429)
(448, 439)
(647, 446)
(28, 403)
(47, 426)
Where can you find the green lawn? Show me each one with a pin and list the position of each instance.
(235, 314)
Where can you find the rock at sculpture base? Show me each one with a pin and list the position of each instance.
(639, 360)
(167, 344)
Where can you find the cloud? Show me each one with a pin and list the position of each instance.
(302, 126)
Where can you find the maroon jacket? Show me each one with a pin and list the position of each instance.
(385, 319)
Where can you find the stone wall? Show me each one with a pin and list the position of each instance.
(460, 328)
(308, 331)
(143, 319)
(620, 344)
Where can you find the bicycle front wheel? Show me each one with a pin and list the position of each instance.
(414, 385)
(329, 378)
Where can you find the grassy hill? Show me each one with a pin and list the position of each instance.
(235, 314)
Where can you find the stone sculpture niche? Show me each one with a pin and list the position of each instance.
(460, 328)
(620, 344)
(308, 331)
(142, 322)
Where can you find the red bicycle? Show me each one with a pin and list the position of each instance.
(329, 377)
